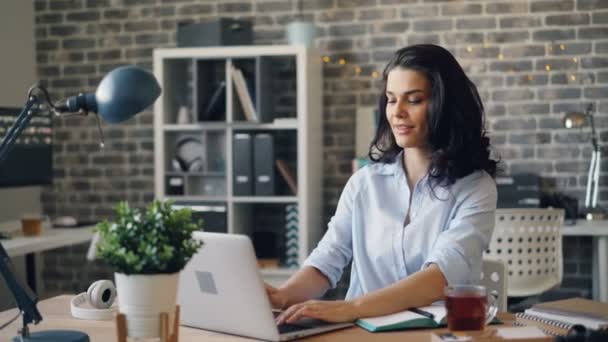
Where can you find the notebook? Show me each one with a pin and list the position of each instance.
(405, 320)
(558, 316)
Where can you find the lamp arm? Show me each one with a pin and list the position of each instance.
(24, 297)
(594, 140)
(18, 126)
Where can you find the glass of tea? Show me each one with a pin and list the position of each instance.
(469, 307)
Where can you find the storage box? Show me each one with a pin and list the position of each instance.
(223, 31)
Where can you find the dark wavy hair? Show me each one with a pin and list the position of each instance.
(456, 132)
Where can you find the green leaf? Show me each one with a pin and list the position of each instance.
(157, 240)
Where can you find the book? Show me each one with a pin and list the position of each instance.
(216, 106)
(405, 320)
(563, 314)
(565, 320)
(287, 175)
(244, 95)
(575, 306)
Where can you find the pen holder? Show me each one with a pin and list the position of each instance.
(165, 332)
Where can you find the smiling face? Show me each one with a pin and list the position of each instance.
(408, 95)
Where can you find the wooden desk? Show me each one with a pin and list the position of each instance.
(56, 315)
(598, 230)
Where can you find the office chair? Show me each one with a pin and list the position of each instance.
(529, 242)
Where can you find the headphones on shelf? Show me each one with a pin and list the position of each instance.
(100, 297)
(189, 154)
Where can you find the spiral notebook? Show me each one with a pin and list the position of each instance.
(557, 317)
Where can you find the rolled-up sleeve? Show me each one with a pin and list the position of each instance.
(458, 249)
(335, 250)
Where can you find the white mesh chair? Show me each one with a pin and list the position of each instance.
(529, 242)
(494, 278)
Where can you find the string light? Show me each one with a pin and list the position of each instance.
(326, 59)
(573, 77)
(342, 61)
(562, 47)
(530, 78)
(500, 56)
(574, 59)
(358, 69)
(375, 74)
(469, 48)
(548, 67)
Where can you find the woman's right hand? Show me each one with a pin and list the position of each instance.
(278, 298)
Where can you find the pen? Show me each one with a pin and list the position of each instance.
(422, 312)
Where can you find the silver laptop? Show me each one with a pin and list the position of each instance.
(221, 290)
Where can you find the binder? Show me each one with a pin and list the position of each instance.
(263, 160)
(243, 181)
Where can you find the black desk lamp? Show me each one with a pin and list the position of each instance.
(122, 93)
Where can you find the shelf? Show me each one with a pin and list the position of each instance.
(196, 198)
(285, 85)
(218, 126)
(264, 126)
(203, 126)
(265, 199)
(196, 174)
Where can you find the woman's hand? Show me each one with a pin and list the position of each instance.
(278, 299)
(330, 311)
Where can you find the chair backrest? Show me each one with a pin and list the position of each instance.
(494, 278)
(529, 242)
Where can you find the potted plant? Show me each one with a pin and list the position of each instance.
(147, 249)
(301, 31)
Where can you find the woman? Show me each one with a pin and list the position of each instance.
(420, 216)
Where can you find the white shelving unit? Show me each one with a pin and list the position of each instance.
(187, 76)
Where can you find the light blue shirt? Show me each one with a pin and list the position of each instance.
(451, 230)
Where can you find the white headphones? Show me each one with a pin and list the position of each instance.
(100, 296)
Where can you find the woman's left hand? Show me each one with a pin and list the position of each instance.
(330, 311)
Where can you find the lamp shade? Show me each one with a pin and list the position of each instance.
(122, 93)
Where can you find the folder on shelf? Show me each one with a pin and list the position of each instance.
(242, 173)
(263, 156)
(287, 175)
(244, 94)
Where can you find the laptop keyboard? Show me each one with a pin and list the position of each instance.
(286, 328)
(303, 324)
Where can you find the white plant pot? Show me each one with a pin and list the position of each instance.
(142, 298)
(301, 32)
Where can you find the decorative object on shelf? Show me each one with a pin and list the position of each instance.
(189, 155)
(287, 175)
(301, 31)
(592, 210)
(218, 32)
(183, 116)
(122, 93)
(291, 236)
(147, 249)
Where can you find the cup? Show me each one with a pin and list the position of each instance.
(469, 307)
(31, 225)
